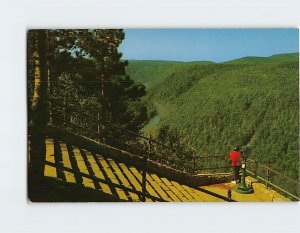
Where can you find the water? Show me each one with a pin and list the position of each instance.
(152, 126)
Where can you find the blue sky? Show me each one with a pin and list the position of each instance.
(216, 45)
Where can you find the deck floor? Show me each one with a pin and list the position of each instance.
(61, 156)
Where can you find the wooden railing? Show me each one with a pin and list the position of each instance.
(78, 121)
(274, 179)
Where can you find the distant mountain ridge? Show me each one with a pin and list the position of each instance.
(286, 57)
(251, 100)
(282, 57)
(150, 72)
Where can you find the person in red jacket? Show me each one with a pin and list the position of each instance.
(235, 158)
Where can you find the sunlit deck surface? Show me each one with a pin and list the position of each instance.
(69, 164)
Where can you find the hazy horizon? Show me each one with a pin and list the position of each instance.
(215, 45)
(210, 61)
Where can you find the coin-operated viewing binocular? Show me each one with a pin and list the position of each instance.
(242, 187)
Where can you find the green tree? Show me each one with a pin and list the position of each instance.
(86, 71)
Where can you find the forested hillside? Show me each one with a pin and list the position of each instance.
(151, 73)
(250, 101)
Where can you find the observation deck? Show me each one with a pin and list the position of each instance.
(73, 173)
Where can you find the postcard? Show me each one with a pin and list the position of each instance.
(163, 115)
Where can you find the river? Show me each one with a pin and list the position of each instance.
(152, 125)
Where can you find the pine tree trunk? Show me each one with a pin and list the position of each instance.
(49, 93)
(37, 79)
(40, 103)
(39, 109)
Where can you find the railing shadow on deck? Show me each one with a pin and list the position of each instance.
(78, 186)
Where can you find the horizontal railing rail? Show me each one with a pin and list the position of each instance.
(159, 152)
(274, 179)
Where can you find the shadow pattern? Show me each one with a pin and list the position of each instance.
(97, 177)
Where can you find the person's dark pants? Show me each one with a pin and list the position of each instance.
(236, 173)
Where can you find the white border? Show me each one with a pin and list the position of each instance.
(17, 215)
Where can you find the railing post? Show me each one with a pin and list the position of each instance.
(144, 174)
(268, 177)
(193, 160)
(229, 194)
(255, 169)
(194, 163)
(98, 126)
(150, 145)
(64, 111)
(50, 113)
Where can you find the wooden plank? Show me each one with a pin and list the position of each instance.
(118, 173)
(67, 163)
(182, 190)
(172, 188)
(173, 196)
(123, 179)
(80, 161)
(166, 181)
(89, 167)
(65, 155)
(207, 197)
(49, 170)
(165, 188)
(160, 182)
(82, 168)
(122, 195)
(88, 182)
(178, 194)
(192, 193)
(69, 177)
(149, 188)
(97, 172)
(133, 180)
(158, 189)
(58, 161)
